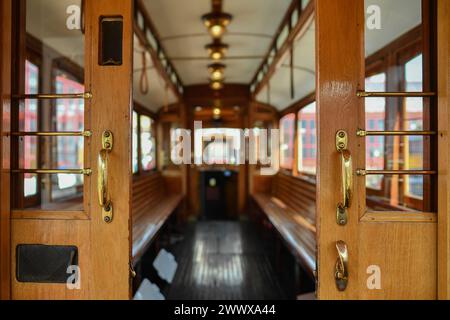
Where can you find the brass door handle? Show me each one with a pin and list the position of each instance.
(102, 177)
(341, 268)
(347, 177)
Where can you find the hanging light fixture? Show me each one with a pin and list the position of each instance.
(217, 21)
(216, 84)
(216, 49)
(217, 71)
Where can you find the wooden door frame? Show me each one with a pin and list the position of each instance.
(109, 280)
(336, 93)
(5, 109)
(443, 238)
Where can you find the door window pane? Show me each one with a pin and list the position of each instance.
(396, 35)
(375, 119)
(69, 153)
(414, 145)
(30, 118)
(54, 48)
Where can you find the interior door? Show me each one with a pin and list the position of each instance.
(377, 189)
(70, 149)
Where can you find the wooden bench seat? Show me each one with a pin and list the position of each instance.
(152, 207)
(292, 212)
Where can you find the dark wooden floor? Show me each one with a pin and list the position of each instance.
(223, 260)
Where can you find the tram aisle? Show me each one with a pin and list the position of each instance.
(223, 260)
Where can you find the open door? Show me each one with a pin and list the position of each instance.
(377, 195)
(70, 149)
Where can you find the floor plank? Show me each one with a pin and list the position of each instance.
(223, 261)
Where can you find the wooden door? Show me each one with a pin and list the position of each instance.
(71, 112)
(380, 242)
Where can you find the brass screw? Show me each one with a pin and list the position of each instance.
(107, 134)
(341, 134)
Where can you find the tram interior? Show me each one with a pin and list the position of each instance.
(217, 229)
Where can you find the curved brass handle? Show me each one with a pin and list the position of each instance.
(102, 177)
(341, 269)
(347, 177)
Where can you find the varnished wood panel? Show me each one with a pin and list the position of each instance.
(444, 150)
(110, 110)
(404, 250)
(57, 232)
(406, 255)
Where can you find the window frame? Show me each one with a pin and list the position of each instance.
(295, 108)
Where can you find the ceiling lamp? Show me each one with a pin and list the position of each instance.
(217, 71)
(216, 50)
(216, 85)
(217, 23)
(216, 113)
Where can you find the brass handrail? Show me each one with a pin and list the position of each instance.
(364, 133)
(49, 96)
(86, 172)
(50, 134)
(366, 94)
(363, 172)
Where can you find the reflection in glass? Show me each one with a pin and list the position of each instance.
(375, 119)
(395, 63)
(414, 145)
(30, 118)
(54, 51)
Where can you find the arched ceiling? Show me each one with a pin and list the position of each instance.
(183, 34)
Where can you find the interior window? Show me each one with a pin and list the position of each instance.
(287, 124)
(147, 141)
(135, 151)
(307, 139)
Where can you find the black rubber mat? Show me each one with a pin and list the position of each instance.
(223, 260)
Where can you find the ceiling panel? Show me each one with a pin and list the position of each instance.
(249, 34)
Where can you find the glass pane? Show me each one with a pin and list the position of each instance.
(287, 124)
(135, 152)
(307, 139)
(30, 118)
(375, 121)
(54, 51)
(148, 147)
(394, 44)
